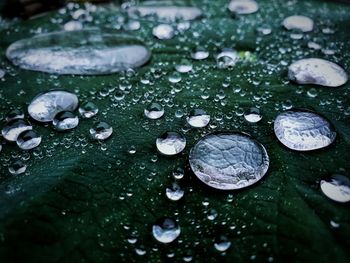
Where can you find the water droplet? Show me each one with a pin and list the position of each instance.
(302, 23)
(198, 118)
(337, 188)
(175, 77)
(17, 167)
(2, 73)
(178, 173)
(45, 106)
(101, 131)
(81, 52)
(163, 31)
(28, 140)
(73, 25)
(199, 53)
(318, 72)
(222, 243)
(228, 161)
(184, 66)
(13, 128)
(14, 115)
(243, 7)
(154, 111)
(88, 110)
(227, 58)
(65, 120)
(166, 230)
(303, 130)
(171, 143)
(174, 193)
(253, 115)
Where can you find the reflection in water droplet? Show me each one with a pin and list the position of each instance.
(101, 131)
(163, 31)
(337, 188)
(166, 230)
(28, 140)
(303, 130)
(243, 7)
(222, 243)
(302, 23)
(228, 161)
(17, 167)
(198, 118)
(154, 111)
(199, 53)
(318, 72)
(14, 115)
(13, 128)
(253, 115)
(171, 143)
(178, 173)
(65, 120)
(88, 110)
(184, 66)
(45, 106)
(174, 193)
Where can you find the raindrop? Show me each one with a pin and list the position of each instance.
(174, 193)
(73, 26)
(88, 110)
(83, 52)
(28, 140)
(65, 120)
(45, 106)
(17, 167)
(198, 118)
(154, 111)
(228, 161)
(199, 53)
(303, 130)
(101, 131)
(222, 243)
(336, 188)
(227, 58)
(243, 7)
(175, 77)
(184, 66)
(13, 128)
(163, 31)
(253, 115)
(171, 143)
(318, 72)
(302, 23)
(178, 173)
(14, 115)
(166, 230)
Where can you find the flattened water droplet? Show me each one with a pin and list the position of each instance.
(174, 193)
(167, 13)
(13, 128)
(252, 115)
(163, 31)
(154, 111)
(14, 115)
(302, 23)
(101, 131)
(166, 230)
(171, 143)
(65, 120)
(88, 110)
(45, 106)
(28, 140)
(83, 52)
(337, 188)
(318, 72)
(228, 161)
(198, 118)
(17, 167)
(243, 7)
(199, 53)
(303, 130)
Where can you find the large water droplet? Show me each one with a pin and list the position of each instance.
(228, 161)
(154, 111)
(166, 230)
(243, 7)
(65, 120)
(88, 110)
(337, 188)
(45, 106)
(14, 128)
(301, 23)
(163, 31)
(171, 143)
(174, 193)
(80, 52)
(101, 131)
(28, 140)
(198, 118)
(303, 130)
(318, 72)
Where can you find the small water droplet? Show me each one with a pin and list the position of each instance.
(198, 118)
(163, 31)
(88, 110)
(17, 167)
(253, 115)
(301, 23)
(337, 188)
(13, 128)
(166, 230)
(171, 143)
(154, 111)
(184, 66)
(28, 140)
(65, 120)
(174, 193)
(101, 131)
(222, 243)
(14, 115)
(243, 7)
(199, 53)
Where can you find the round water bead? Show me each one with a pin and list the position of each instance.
(88, 110)
(166, 230)
(252, 115)
(174, 193)
(65, 120)
(303, 130)
(198, 118)
(45, 106)
(318, 72)
(13, 128)
(171, 143)
(101, 131)
(163, 31)
(17, 167)
(243, 7)
(28, 140)
(302, 23)
(154, 111)
(199, 53)
(228, 161)
(184, 66)
(222, 243)
(14, 115)
(337, 188)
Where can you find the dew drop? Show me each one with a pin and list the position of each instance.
(178, 173)
(222, 243)
(243, 7)
(302, 23)
(17, 167)
(199, 53)
(163, 31)
(198, 118)
(13, 128)
(28, 140)
(253, 115)
(101, 131)
(184, 66)
(14, 115)
(65, 120)
(171, 143)
(336, 188)
(154, 111)
(166, 230)
(174, 193)
(88, 110)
